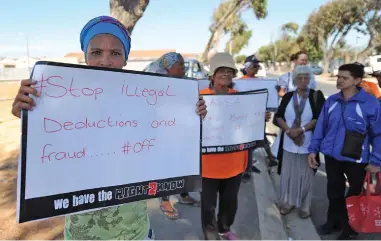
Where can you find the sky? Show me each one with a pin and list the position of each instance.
(52, 27)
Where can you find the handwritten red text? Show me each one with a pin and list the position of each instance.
(61, 88)
(61, 155)
(163, 123)
(51, 125)
(151, 95)
(226, 101)
(234, 117)
(137, 147)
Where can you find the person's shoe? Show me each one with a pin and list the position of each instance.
(228, 236)
(246, 177)
(254, 169)
(345, 235)
(272, 163)
(303, 214)
(327, 228)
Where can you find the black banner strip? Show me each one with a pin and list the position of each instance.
(231, 148)
(67, 203)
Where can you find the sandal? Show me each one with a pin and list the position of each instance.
(173, 215)
(188, 200)
(304, 214)
(285, 211)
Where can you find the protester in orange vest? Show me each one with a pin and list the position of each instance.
(251, 67)
(221, 173)
(370, 87)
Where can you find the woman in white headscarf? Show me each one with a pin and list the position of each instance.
(172, 65)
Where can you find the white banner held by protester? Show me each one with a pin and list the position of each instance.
(103, 137)
(234, 121)
(203, 84)
(255, 84)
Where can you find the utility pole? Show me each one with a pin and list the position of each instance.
(356, 50)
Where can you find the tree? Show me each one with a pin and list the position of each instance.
(239, 38)
(240, 59)
(128, 12)
(371, 19)
(378, 49)
(290, 28)
(227, 15)
(331, 24)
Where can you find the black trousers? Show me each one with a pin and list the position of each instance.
(355, 172)
(249, 161)
(228, 204)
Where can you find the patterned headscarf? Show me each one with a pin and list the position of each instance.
(165, 62)
(105, 25)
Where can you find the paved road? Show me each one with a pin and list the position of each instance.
(320, 202)
(328, 87)
(188, 226)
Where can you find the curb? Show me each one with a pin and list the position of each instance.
(271, 225)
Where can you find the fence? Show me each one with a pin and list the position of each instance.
(14, 74)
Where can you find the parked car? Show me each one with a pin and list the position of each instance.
(316, 69)
(194, 69)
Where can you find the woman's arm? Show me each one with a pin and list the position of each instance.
(309, 126)
(282, 124)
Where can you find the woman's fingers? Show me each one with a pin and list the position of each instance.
(28, 90)
(16, 109)
(312, 161)
(25, 99)
(22, 100)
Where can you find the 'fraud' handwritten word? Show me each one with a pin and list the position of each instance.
(61, 155)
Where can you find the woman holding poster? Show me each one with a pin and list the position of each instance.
(105, 43)
(296, 116)
(172, 65)
(221, 173)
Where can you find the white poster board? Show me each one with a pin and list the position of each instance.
(258, 83)
(253, 84)
(203, 84)
(234, 121)
(101, 133)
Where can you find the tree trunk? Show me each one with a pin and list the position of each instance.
(213, 39)
(372, 44)
(326, 61)
(128, 12)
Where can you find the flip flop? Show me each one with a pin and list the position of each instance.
(191, 202)
(285, 211)
(172, 215)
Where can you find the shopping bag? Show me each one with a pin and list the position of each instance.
(364, 211)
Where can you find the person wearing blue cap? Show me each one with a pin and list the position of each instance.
(105, 43)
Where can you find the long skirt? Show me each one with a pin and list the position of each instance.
(296, 181)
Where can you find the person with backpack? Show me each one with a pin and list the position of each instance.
(348, 126)
(296, 116)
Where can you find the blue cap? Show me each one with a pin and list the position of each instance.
(105, 25)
